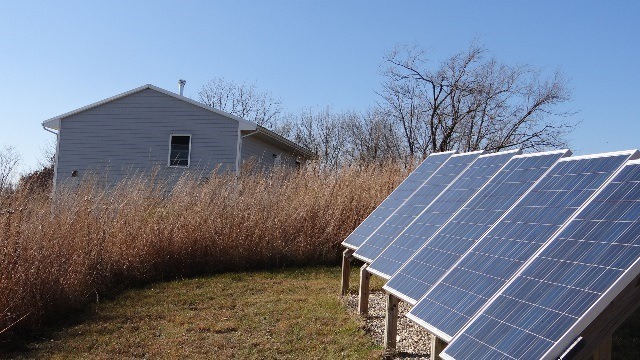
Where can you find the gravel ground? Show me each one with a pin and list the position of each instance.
(412, 341)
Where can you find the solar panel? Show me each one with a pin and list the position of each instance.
(567, 284)
(418, 201)
(404, 191)
(495, 258)
(467, 226)
(438, 213)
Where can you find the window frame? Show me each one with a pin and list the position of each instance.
(170, 148)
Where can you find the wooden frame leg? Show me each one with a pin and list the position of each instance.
(437, 346)
(391, 322)
(347, 255)
(603, 352)
(363, 300)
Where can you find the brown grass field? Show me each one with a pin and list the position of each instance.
(59, 254)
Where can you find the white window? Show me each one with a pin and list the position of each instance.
(179, 150)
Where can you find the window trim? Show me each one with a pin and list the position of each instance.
(188, 155)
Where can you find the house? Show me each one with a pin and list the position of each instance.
(149, 129)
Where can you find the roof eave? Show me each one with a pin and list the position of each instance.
(54, 122)
(296, 149)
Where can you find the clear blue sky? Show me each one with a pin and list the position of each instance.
(56, 56)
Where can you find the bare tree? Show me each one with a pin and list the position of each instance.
(345, 137)
(403, 105)
(469, 103)
(9, 160)
(373, 137)
(321, 131)
(338, 138)
(241, 100)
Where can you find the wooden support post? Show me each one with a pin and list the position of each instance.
(603, 352)
(437, 346)
(347, 255)
(363, 303)
(391, 322)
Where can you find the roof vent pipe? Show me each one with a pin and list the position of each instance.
(181, 84)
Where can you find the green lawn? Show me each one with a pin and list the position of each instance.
(287, 314)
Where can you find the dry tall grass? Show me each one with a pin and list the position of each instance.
(58, 255)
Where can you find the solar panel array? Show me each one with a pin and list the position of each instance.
(398, 220)
(434, 216)
(454, 239)
(550, 302)
(500, 253)
(511, 257)
(403, 192)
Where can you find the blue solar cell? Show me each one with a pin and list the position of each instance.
(396, 199)
(442, 251)
(507, 246)
(405, 213)
(544, 307)
(435, 215)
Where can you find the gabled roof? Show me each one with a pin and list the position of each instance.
(54, 122)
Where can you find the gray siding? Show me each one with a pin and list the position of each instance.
(261, 153)
(131, 136)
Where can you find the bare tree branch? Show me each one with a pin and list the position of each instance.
(242, 100)
(9, 160)
(469, 103)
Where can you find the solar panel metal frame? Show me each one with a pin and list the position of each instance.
(448, 338)
(351, 246)
(516, 152)
(599, 305)
(565, 154)
(479, 152)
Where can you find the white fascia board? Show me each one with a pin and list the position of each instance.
(244, 124)
(247, 126)
(283, 140)
(54, 122)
